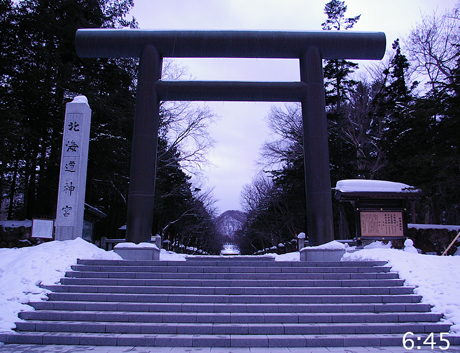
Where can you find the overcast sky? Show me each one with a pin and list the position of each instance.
(240, 129)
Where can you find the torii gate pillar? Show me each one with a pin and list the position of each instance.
(316, 151)
(144, 152)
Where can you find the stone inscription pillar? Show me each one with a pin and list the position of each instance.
(144, 151)
(316, 150)
(72, 178)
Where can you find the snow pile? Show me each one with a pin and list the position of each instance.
(290, 256)
(80, 99)
(23, 270)
(436, 277)
(332, 245)
(130, 245)
(361, 185)
(378, 245)
(171, 256)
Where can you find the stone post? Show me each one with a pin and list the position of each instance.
(301, 240)
(72, 178)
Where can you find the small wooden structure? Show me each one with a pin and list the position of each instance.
(381, 208)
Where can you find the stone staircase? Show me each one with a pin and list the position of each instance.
(228, 302)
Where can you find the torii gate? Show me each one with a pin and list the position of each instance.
(152, 46)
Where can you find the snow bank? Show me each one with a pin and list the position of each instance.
(23, 270)
(436, 277)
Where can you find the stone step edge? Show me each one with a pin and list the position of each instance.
(299, 283)
(219, 263)
(374, 340)
(232, 276)
(249, 308)
(232, 269)
(238, 318)
(194, 290)
(218, 329)
(241, 299)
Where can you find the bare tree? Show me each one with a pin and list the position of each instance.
(269, 216)
(256, 193)
(286, 124)
(185, 126)
(363, 128)
(433, 46)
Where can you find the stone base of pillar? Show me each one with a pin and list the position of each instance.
(143, 252)
(318, 255)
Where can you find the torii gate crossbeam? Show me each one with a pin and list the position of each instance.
(152, 46)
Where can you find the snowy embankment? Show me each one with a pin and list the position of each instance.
(23, 270)
(437, 278)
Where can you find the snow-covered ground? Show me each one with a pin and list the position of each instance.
(23, 270)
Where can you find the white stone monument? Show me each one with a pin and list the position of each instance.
(72, 178)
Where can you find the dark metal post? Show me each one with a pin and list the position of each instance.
(144, 150)
(316, 152)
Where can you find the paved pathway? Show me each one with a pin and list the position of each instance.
(29, 348)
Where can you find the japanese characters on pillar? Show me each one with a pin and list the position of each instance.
(72, 179)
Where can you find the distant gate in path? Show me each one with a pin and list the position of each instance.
(152, 46)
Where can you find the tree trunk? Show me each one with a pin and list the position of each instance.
(13, 189)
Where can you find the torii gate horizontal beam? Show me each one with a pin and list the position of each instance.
(122, 43)
(231, 91)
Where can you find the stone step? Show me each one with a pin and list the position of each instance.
(186, 298)
(232, 283)
(231, 259)
(174, 340)
(193, 290)
(232, 276)
(228, 302)
(195, 317)
(230, 269)
(232, 263)
(230, 329)
(230, 308)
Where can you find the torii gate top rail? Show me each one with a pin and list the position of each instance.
(122, 43)
(151, 46)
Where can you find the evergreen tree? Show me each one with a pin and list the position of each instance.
(45, 74)
(338, 86)
(337, 71)
(394, 108)
(42, 75)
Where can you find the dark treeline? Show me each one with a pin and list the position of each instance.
(387, 126)
(40, 73)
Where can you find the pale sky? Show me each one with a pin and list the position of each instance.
(241, 128)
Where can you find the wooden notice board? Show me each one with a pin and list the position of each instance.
(382, 224)
(42, 228)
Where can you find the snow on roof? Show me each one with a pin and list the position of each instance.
(434, 226)
(16, 224)
(361, 185)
